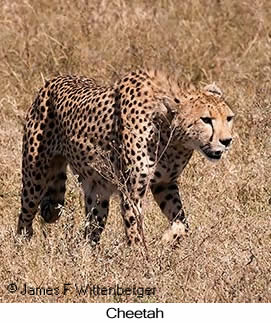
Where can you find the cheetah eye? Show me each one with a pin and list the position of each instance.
(229, 118)
(206, 120)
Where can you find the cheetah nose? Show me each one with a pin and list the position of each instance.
(226, 142)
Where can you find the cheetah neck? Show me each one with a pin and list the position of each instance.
(164, 83)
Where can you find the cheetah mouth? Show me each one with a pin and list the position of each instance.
(212, 155)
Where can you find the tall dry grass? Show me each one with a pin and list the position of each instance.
(226, 257)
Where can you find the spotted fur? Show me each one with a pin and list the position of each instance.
(137, 134)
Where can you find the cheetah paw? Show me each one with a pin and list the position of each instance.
(174, 233)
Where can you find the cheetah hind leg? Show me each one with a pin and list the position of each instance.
(55, 194)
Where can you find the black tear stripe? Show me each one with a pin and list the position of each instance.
(212, 136)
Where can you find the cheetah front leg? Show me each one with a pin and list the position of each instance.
(97, 206)
(131, 207)
(168, 198)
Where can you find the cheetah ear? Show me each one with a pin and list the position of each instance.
(213, 89)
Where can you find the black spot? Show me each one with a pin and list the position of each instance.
(101, 223)
(51, 191)
(163, 205)
(37, 188)
(39, 137)
(168, 197)
(48, 103)
(105, 204)
(132, 219)
(181, 216)
(51, 115)
(127, 223)
(40, 149)
(126, 206)
(95, 211)
(157, 174)
(173, 187)
(176, 201)
(176, 100)
(62, 176)
(31, 204)
(141, 194)
(159, 189)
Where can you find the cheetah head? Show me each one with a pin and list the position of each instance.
(203, 120)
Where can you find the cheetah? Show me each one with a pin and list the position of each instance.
(136, 135)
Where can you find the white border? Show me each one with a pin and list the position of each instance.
(200, 313)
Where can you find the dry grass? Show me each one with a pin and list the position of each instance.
(226, 258)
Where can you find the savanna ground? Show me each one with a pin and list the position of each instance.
(226, 257)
